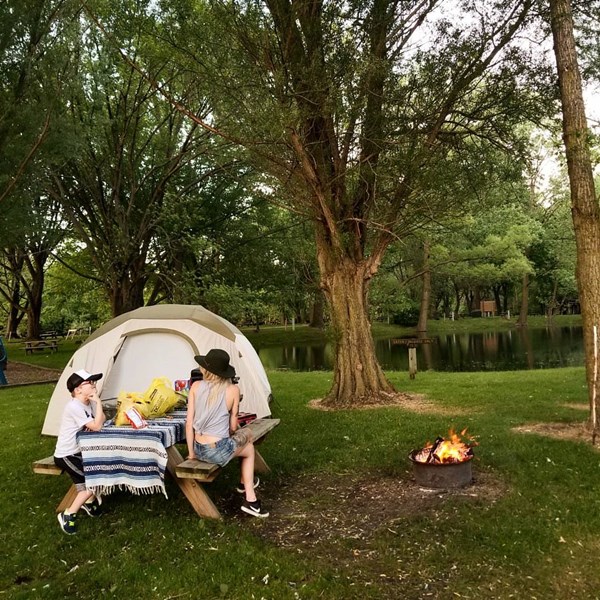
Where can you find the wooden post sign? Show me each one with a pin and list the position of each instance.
(412, 344)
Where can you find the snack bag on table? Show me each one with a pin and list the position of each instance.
(127, 400)
(161, 397)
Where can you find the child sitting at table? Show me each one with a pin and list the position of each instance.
(83, 411)
(212, 427)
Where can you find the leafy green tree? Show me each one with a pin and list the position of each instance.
(584, 202)
(34, 64)
(24, 257)
(135, 154)
(351, 122)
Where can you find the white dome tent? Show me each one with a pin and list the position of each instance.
(156, 341)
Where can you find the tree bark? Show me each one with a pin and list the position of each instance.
(35, 292)
(317, 319)
(357, 376)
(524, 310)
(425, 290)
(584, 205)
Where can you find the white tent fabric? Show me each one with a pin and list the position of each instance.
(157, 341)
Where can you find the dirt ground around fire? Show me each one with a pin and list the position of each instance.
(338, 518)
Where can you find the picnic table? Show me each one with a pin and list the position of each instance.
(71, 333)
(49, 335)
(32, 346)
(137, 460)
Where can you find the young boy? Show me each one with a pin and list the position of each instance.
(83, 411)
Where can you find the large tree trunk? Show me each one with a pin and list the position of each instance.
(126, 293)
(357, 376)
(36, 290)
(586, 217)
(524, 311)
(425, 291)
(15, 312)
(317, 319)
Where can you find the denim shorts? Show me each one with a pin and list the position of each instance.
(219, 453)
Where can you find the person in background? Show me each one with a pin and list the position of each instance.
(83, 411)
(212, 427)
(3, 362)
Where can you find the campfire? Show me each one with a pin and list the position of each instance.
(450, 450)
(445, 463)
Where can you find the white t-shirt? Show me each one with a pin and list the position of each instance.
(75, 416)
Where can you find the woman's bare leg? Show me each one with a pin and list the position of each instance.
(247, 455)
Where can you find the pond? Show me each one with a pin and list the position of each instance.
(490, 351)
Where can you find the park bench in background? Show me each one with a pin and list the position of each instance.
(76, 331)
(32, 346)
(49, 335)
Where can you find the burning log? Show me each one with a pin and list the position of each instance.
(450, 450)
(446, 463)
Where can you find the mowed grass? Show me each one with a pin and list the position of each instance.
(540, 538)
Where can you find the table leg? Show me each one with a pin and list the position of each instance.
(193, 491)
(68, 499)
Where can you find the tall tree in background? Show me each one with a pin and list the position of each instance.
(133, 155)
(584, 204)
(33, 68)
(351, 114)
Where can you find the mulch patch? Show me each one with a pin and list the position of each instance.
(413, 402)
(338, 517)
(576, 432)
(22, 373)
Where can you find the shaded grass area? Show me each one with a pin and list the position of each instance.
(46, 358)
(539, 538)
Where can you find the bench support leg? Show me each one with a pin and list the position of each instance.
(260, 466)
(193, 490)
(68, 499)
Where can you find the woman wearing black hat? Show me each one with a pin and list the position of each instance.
(212, 427)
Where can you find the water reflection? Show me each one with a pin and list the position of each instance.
(490, 351)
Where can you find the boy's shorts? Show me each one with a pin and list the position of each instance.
(73, 465)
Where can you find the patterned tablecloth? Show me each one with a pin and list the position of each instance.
(132, 459)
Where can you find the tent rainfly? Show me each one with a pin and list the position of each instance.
(156, 341)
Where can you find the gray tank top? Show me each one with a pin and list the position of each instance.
(210, 419)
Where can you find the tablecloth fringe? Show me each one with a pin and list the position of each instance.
(106, 490)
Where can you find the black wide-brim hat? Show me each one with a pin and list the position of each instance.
(217, 362)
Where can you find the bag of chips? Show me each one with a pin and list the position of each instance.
(135, 419)
(161, 397)
(127, 400)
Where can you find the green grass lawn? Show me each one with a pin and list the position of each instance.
(539, 538)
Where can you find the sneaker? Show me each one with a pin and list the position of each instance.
(67, 522)
(254, 509)
(240, 488)
(92, 508)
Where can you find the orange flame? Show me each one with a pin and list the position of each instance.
(450, 450)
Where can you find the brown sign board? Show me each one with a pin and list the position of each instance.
(412, 341)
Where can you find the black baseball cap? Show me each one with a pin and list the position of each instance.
(77, 378)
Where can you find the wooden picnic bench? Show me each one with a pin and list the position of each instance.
(49, 335)
(32, 346)
(190, 475)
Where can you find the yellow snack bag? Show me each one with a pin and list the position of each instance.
(161, 397)
(127, 400)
